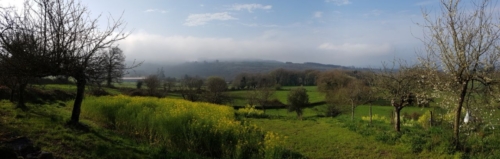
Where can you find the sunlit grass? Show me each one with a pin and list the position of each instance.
(240, 97)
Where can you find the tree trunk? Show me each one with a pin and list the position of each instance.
(352, 110)
(431, 120)
(12, 92)
(458, 112)
(370, 113)
(397, 123)
(299, 115)
(109, 79)
(21, 103)
(108, 82)
(80, 90)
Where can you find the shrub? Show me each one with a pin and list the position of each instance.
(333, 111)
(415, 142)
(388, 137)
(250, 111)
(376, 117)
(424, 120)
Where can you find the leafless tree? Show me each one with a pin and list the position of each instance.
(191, 88)
(216, 86)
(20, 55)
(153, 83)
(462, 41)
(397, 83)
(263, 93)
(114, 64)
(368, 79)
(62, 39)
(356, 93)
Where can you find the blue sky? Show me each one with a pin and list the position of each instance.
(344, 32)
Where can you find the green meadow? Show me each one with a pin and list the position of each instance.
(119, 126)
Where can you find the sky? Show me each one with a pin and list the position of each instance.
(359, 33)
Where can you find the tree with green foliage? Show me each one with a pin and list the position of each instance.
(297, 100)
(333, 84)
(463, 42)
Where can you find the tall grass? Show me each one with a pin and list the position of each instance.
(178, 125)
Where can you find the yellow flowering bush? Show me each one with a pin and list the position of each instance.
(250, 111)
(424, 119)
(376, 117)
(207, 129)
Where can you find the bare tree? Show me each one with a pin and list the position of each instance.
(216, 87)
(169, 83)
(21, 57)
(398, 84)
(191, 88)
(356, 93)
(63, 39)
(262, 94)
(114, 63)
(153, 83)
(462, 41)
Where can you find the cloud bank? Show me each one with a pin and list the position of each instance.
(179, 49)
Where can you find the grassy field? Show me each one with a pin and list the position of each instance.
(314, 137)
(240, 96)
(45, 126)
(327, 138)
(72, 88)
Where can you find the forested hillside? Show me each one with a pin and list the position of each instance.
(226, 69)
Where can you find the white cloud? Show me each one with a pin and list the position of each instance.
(318, 14)
(339, 2)
(202, 19)
(357, 49)
(250, 7)
(155, 10)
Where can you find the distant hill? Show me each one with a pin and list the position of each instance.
(227, 69)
